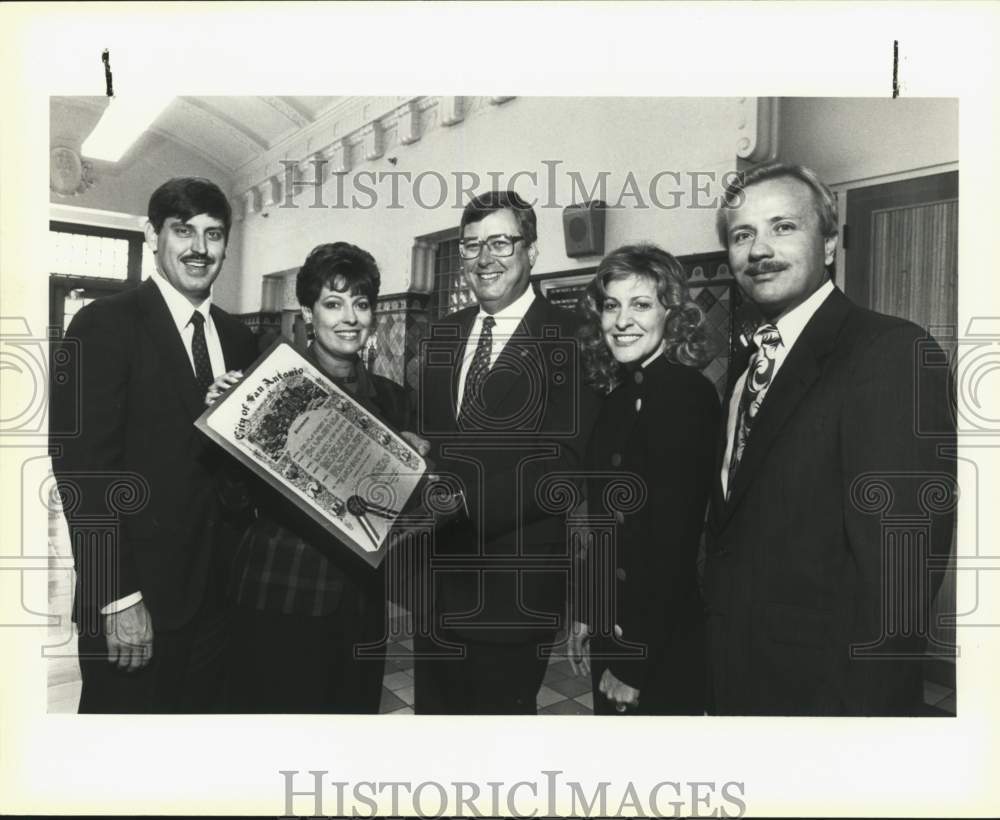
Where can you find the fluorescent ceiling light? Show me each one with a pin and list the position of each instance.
(123, 122)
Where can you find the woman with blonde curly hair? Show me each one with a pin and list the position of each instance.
(643, 345)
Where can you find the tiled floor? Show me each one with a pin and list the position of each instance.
(939, 688)
(561, 692)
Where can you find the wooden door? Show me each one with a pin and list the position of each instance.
(901, 244)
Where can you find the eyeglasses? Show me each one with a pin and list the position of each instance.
(499, 245)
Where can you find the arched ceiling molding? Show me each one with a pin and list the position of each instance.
(236, 132)
(197, 150)
(350, 122)
(359, 128)
(283, 106)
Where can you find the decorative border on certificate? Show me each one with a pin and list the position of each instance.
(291, 425)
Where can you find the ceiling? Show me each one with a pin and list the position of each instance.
(229, 132)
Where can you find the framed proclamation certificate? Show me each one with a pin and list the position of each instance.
(292, 426)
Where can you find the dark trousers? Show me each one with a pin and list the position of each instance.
(283, 664)
(676, 678)
(185, 674)
(491, 678)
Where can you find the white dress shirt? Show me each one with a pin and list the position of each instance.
(790, 327)
(507, 321)
(181, 311)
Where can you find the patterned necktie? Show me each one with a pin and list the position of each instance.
(474, 379)
(199, 350)
(759, 374)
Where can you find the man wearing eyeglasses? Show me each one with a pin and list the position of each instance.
(505, 409)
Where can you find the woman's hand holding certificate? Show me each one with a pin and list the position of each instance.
(319, 447)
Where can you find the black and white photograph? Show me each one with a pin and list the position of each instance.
(596, 440)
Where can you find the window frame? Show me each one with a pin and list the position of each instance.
(61, 284)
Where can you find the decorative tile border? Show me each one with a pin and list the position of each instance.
(403, 319)
(262, 322)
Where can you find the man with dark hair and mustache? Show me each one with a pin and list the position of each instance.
(149, 605)
(813, 608)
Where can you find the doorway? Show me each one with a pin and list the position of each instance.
(901, 247)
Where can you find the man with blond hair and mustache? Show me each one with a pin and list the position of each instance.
(813, 610)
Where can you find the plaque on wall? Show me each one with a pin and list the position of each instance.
(562, 289)
(69, 175)
(308, 439)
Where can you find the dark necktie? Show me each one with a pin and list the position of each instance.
(199, 351)
(472, 396)
(759, 375)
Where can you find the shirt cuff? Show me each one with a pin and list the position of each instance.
(121, 604)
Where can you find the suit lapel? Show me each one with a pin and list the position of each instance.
(792, 382)
(516, 360)
(512, 366)
(164, 338)
(228, 341)
(738, 363)
(717, 501)
(464, 323)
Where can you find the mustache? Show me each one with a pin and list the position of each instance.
(197, 257)
(765, 266)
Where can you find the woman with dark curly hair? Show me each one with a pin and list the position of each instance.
(643, 344)
(302, 603)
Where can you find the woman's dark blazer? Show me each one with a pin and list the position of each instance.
(661, 425)
(288, 564)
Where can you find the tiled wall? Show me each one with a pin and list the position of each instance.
(402, 321)
(712, 288)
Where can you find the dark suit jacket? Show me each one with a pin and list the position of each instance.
(669, 447)
(135, 399)
(835, 470)
(501, 575)
(288, 564)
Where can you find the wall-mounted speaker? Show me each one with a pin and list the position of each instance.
(583, 228)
